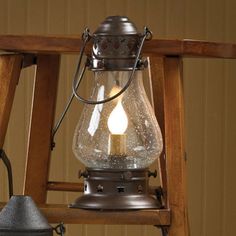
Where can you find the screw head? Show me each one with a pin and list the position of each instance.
(82, 174)
(154, 174)
(128, 175)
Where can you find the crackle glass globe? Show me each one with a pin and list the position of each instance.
(122, 133)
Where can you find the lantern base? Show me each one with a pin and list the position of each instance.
(109, 189)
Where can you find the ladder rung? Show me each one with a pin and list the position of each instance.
(61, 213)
(56, 213)
(78, 187)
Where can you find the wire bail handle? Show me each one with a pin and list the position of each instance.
(147, 35)
(86, 36)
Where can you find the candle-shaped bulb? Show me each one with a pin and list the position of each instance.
(117, 125)
(118, 121)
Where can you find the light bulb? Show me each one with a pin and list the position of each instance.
(118, 120)
(117, 124)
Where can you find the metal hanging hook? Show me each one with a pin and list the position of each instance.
(60, 229)
(7, 164)
(148, 33)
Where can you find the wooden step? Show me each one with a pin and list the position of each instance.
(57, 213)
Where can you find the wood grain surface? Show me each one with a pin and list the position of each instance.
(10, 67)
(175, 146)
(56, 213)
(72, 44)
(42, 118)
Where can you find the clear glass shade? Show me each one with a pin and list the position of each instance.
(122, 133)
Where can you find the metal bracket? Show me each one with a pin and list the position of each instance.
(60, 229)
(29, 60)
(7, 164)
(159, 195)
(154, 173)
(164, 230)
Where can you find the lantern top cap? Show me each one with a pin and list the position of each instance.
(22, 215)
(117, 25)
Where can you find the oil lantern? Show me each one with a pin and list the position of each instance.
(117, 137)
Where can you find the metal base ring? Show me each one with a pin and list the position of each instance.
(116, 190)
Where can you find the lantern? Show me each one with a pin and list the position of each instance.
(117, 137)
(21, 217)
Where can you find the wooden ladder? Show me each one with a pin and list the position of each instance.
(167, 88)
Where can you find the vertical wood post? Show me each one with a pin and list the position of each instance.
(175, 147)
(42, 118)
(157, 77)
(10, 67)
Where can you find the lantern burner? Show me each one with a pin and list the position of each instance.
(115, 189)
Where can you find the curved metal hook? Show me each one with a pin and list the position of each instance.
(60, 229)
(7, 164)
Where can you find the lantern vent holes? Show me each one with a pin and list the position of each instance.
(106, 190)
(121, 189)
(99, 188)
(85, 187)
(140, 189)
